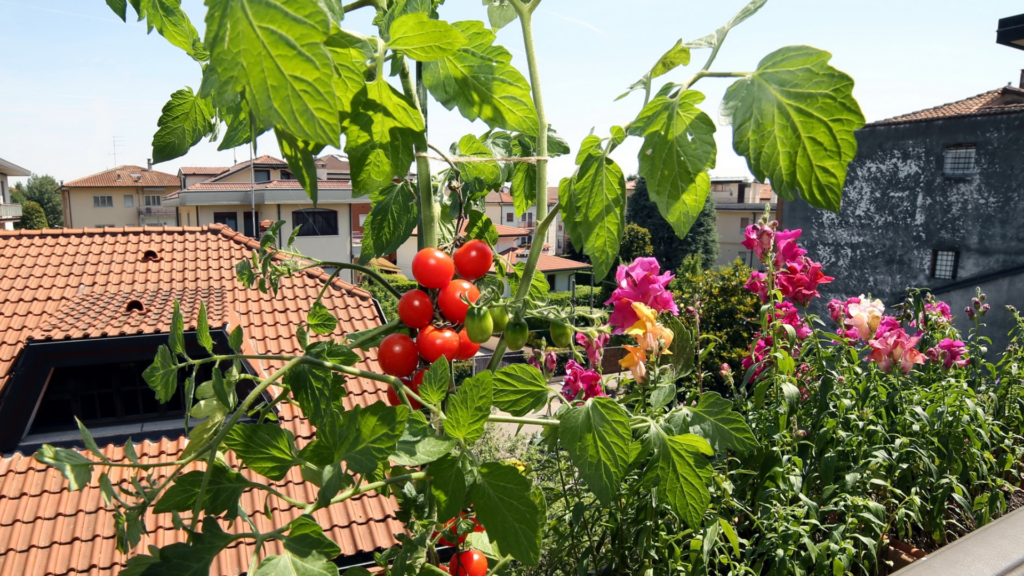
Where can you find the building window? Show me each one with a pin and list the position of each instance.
(247, 227)
(261, 175)
(102, 201)
(945, 264)
(229, 219)
(958, 160)
(129, 201)
(744, 222)
(551, 281)
(315, 222)
(509, 217)
(337, 176)
(286, 175)
(152, 199)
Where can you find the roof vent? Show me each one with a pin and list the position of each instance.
(137, 177)
(134, 306)
(150, 256)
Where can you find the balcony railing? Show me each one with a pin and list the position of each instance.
(529, 224)
(157, 211)
(10, 212)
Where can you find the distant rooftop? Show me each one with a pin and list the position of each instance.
(1005, 100)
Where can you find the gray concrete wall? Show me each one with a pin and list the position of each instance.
(898, 206)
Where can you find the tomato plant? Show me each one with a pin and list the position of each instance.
(413, 384)
(473, 260)
(468, 563)
(499, 317)
(415, 309)
(467, 348)
(450, 299)
(561, 334)
(516, 333)
(433, 268)
(397, 355)
(433, 343)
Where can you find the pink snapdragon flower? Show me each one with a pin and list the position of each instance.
(940, 309)
(788, 314)
(949, 352)
(759, 239)
(864, 316)
(594, 347)
(761, 349)
(640, 282)
(892, 346)
(787, 251)
(800, 279)
(758, 285)
(579, 380)
(839, 311)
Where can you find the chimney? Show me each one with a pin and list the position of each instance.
(149, 161)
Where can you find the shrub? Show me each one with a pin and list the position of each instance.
(670, 249)
(636, 243)
(388, 302)
(32, 217)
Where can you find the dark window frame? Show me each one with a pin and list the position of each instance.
(247, 224)
(957, 163)
(222, 217)
(261, 175)
(316, 222)
(942, 265)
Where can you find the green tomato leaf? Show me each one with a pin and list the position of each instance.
(678, 55)
(176, 340)
(301, 158)
(235, 339)
(504, 505)
(170, 21)
(274, 54)
(480, 227)
(203, 329)
(567, 201)
(479, 79)
(448, 486)
(597, 437)
(368, 436)
(436, 381)
(202, 434)
(290, 564)
(469, 408)
(419, 443)
(162, 375)
(120, 7)
(682, 474)
(714, 420)
(679, 148)
(90, 443)
(267, 449)
(71, 464)
(391, 220)
(480, 176)
(599, 191)
(520, 389)
(306, 537)
(423, 39)
(320, 319)
(794, 121)
(181, 559)
(500, 13)
(184, 121)
(223, 491)
(380, 137)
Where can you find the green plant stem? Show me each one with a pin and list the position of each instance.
(705, 74)
(426, 233)
(501, 564)
(527, 421)
(356, 491)
(360, 4)
(242, 409)
(343, 265)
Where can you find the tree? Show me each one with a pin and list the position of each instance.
(45, 191)
(636, 243)
(32, 217)
(669, 248)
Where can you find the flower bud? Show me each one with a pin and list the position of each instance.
(976, 303)
(691, 311)
(1011, 309)
(982, 296)
(970, 313)
(801, 433)
(984, 309)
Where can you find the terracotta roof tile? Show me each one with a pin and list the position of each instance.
(265, 160)
(1005, 100)
(202, 170)
(334, 162)
(546, 263)
(273, 184)
(131, 176)
(74, 283)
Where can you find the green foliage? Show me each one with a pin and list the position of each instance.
(388, 302)
(184, 121)
(727, 315)
(636, 243)
(669, 248)
(45, 191)
(32, 217)
(597, 437)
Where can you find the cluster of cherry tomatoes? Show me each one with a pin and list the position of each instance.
(460, 328)
(469, 562)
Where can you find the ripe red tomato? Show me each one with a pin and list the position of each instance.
(413, 385)
(433, 268)
(450, 300)
(433, 343)
(397, 355)
(468, 563)
(467, 348)
(473, 260)
(415, 309)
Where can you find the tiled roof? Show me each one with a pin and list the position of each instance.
(132, 176)
(1005, 100)
(546, 263)
(506, 198)
(333, 162)
(265, 161)
(272, 185)
(202, 170)
(73, 283)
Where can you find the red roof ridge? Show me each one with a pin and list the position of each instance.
(971, 106)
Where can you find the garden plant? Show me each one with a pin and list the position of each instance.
(831, 441)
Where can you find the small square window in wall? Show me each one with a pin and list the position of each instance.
(944, 264)
(129, 201)
(102, 201)
(958, 160)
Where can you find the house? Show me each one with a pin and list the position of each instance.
(82, 312)
(9, 213)
(122, 196)
(932, 200)
(500, 208)
(739, 202)
(332, 231)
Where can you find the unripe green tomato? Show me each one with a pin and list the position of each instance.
(516, 333)
(479, 325)
(499, 316)
(561, 334)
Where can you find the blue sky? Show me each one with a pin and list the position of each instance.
(74, 76)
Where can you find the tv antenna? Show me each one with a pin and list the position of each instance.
(117, 141)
